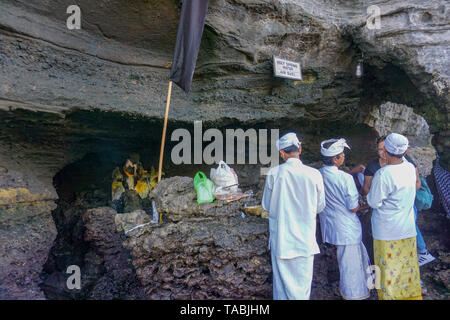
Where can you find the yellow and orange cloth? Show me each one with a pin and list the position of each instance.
(400, 275)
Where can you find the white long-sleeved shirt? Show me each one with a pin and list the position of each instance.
(293, 195)
(391, 196)
(339, 226)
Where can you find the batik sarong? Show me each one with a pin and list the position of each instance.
(399, 269)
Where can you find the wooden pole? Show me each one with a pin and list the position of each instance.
(163, 138)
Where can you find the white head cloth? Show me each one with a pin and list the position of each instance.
(336, 148)
(289, 139)
(396, 143)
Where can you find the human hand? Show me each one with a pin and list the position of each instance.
(357, 169)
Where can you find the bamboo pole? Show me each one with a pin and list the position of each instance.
(163, 138)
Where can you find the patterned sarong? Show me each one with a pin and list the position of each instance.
(400, 275)
(442, 178)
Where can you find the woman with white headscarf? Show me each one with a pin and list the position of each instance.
(339, 223)
(391, 196)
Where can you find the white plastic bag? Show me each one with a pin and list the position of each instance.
(224, 177)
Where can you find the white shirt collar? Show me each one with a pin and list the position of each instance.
(293, 160)
(331, 168)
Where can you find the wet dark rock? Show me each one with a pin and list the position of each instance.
(127, 221)
(435, 227)
(131, 201)
(87, 238)
(203, 251)
(27, 230)
(105, 266)
(119, 280)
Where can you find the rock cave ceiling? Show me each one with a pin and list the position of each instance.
(118, 62)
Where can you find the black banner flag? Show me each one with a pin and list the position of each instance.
(189, 36)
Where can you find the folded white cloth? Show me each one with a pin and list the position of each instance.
(336, 148)
(289, 139)
(396, 143)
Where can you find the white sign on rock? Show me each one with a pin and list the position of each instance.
(284, 68)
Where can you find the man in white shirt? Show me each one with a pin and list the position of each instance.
(293, 195)
(339, 223)
(391, 196)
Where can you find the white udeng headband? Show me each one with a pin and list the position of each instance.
(396, 143)
(289, 139)
(336, 148)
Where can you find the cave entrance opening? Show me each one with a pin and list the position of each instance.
(86, 184)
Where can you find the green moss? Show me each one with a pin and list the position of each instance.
(434, 117)
(307, 79)
(210, 41)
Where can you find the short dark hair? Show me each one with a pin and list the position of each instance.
(381, 139)
(395, 155)
(328, 161)
(291, 149)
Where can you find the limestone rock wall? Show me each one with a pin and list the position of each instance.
(27, 232)
(392, 117)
